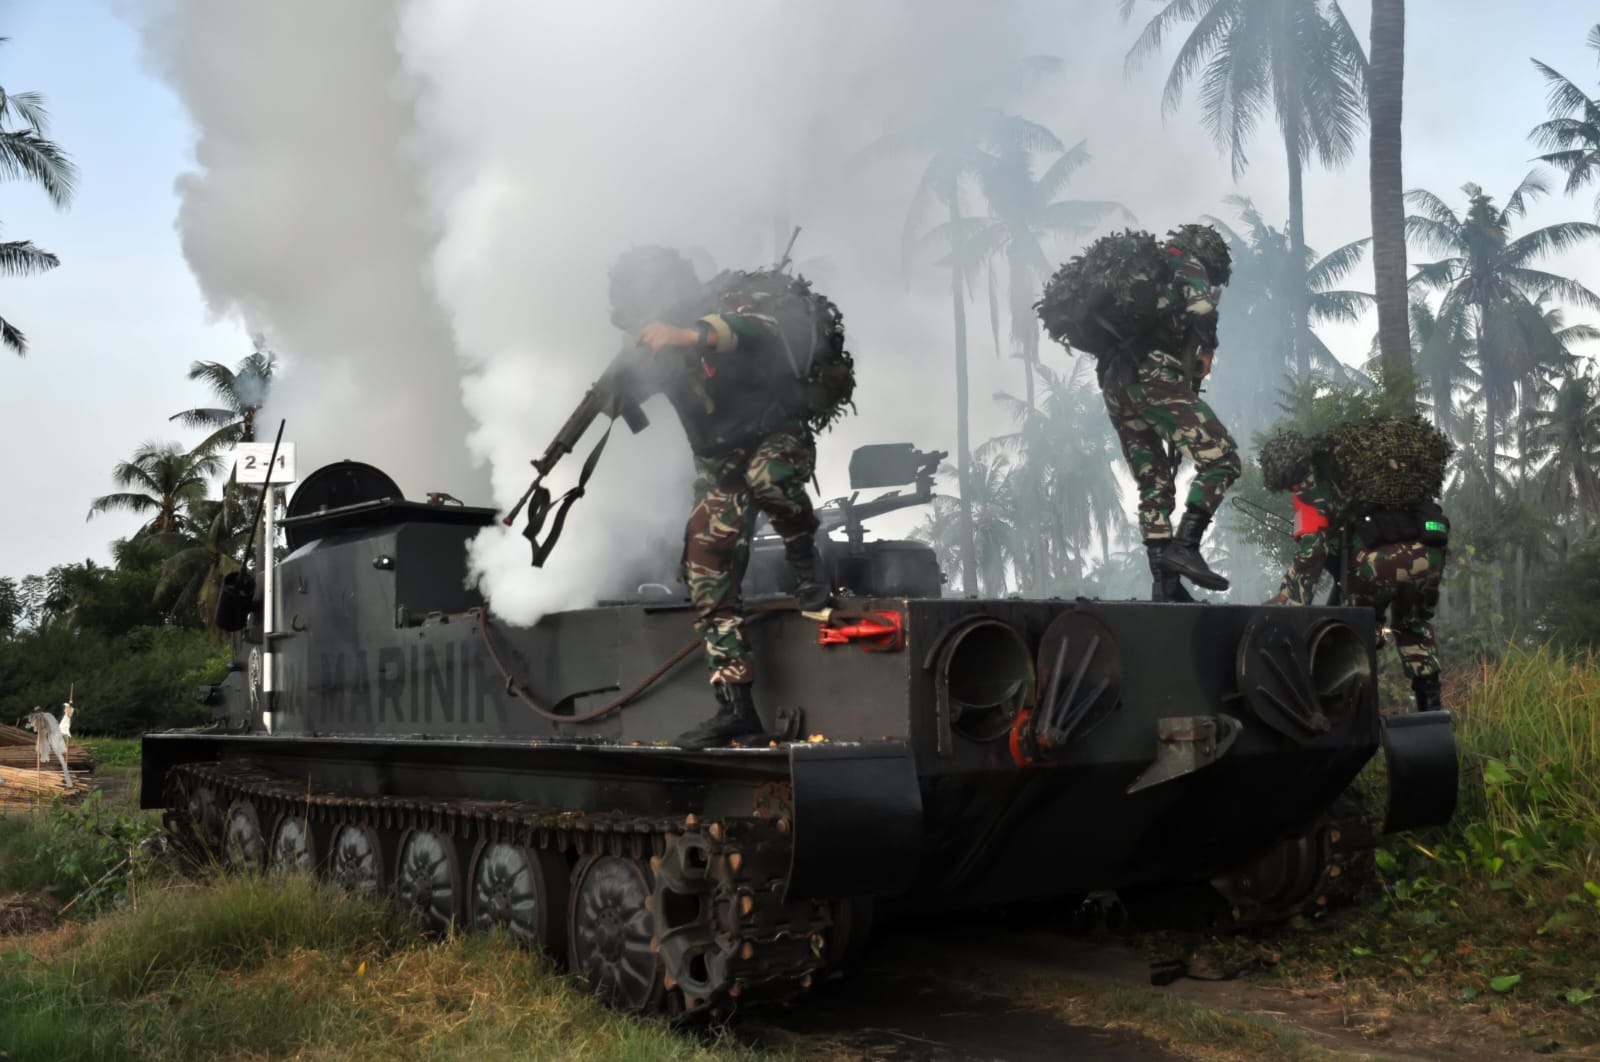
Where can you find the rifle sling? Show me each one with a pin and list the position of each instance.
(541, 504)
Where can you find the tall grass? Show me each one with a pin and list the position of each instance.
(1529, 729)
(290, 967)
(1537, 714)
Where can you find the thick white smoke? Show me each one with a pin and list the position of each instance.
(418, 201)
(563, 135)
(303, 219)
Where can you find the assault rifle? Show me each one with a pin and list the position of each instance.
(614, 394)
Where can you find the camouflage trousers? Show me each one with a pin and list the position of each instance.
(1299, 586)
(729, 492)
(1158, 408)
(1401, 579)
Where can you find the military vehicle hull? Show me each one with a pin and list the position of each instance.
(925, 754)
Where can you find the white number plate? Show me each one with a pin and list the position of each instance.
(250, 463)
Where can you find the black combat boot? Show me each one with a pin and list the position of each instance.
(1426, 687)
(809, 591)
(736, 718)
(1168, 585)
(1182, 555)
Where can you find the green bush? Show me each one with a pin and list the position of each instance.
(143, 680)
(1571, 596)
(86, 854)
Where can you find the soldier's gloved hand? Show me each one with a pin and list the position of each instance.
(657, 335)
(1203, 358)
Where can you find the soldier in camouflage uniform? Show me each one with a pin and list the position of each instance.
(1397, 579)
(724, 370)
(1156, 409)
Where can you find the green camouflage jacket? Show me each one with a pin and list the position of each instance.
(734, 388)
(1192, 288)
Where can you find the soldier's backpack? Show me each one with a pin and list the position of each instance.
(1386, 462)
(1109, 298)
(812, 328)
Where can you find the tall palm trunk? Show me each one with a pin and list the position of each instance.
(969, 552)
(1388, 203)
(1294, 141)
(1295, 147)
(1491, 410)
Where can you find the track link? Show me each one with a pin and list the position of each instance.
(721, 930)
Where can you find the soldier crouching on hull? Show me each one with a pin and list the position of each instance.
(1156, 409)
(725, 370)
(1389, 559)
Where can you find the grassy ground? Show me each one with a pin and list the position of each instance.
(148, 965)
(1495, 919)
(112, 752)
(1492, 924)
(255, 968)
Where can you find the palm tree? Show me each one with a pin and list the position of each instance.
(164, 483)
(1490, 286)
(193, 575)
(242, 390)
(1064, 480)
(1445, 355)
(1388, 198)
(956, 142)
(1023, 211)
(992, 503)
(26, 152)
(1258, 317)
(1572, 135)
(1566, 437)
(1299, 55)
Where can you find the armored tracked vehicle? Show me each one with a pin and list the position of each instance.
(384, 728)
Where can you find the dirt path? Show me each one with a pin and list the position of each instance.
(973, 992)
(902, 1014)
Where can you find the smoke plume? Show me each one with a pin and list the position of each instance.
(303, 220)
(564, 135)
(418, 201)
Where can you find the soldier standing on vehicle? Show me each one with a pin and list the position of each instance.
(1388, 552)
(728, 356)
(1147, 311)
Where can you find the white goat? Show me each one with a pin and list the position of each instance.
(48, 741)
(66, 719)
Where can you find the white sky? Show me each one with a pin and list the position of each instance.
(113, 330)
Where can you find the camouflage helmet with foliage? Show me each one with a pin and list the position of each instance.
(646, 282)
(1284, 460)
(1206, 244)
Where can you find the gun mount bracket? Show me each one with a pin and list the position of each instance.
(1186, 744)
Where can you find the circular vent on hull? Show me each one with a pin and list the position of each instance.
(336, 486)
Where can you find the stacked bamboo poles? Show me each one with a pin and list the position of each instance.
(23, 785)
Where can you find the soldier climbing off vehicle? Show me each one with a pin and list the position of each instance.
(1365, 497)
(1148, 312)
(754, 365)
